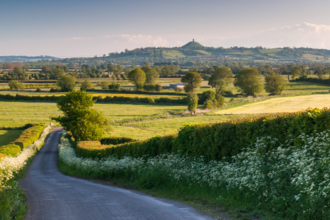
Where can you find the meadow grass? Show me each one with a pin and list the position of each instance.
(7, 136)
(20, 113)
(147, 129)
(281, 104)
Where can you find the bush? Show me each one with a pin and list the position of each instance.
(158, 87)
(15, 85)
(104, 85)
(29, 135)
(149, 87)
(11, 150)
(114, 86)
(206, 95)
(220, 99)
(192, 101)
(86, 85)
(38, 90)
(57, 89)
(66, 83)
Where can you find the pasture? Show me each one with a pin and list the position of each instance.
(7, 136)
(281, 104)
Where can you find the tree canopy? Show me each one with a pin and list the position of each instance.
(220, 79)
(66, 83)
(274, 83)
(152, 75)
(138, 77)
(248, 81)
(193, 81)
(79, 118)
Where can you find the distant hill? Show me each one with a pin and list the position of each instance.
(4, 59)
(193, 45)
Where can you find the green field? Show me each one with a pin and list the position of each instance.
(281, 104)
(7, 136)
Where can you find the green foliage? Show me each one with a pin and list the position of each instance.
(193, 81)
(15, 85)
(220, 99)
(11, 150)
(148, 87)
(209, 94)
(295, 72)
(104, 85)
(66, 83)
(152, 75)
(38, 90)
(138, 77)
(158, 88)
(222, 140)
(114, 86)
(247, 80)
(83, 122)
(86, 85)
(116, 140)
(29, 135)
(192, 100)
(274, 83)
(220, 79)
(151, 147)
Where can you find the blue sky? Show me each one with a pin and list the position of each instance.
(82, 28)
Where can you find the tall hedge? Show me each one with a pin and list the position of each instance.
(218, 140)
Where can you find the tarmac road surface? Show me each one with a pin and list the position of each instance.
(52, 195)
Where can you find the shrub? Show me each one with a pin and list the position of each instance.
(114, 86)
(192, 101)
(29, 135)
(86, 85)
(104, 85)
(149, 87)
(66, 83)
(211, 104)
(15, 85)
(206, 95)
(11, 150)
(57, 89)
(220, 99)
(158, 87)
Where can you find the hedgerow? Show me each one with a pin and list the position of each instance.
(221, 140)
(27, 137)
(106, 99)
(116, 140)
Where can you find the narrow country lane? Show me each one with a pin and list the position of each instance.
(52, 195)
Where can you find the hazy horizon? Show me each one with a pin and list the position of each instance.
(87, 28)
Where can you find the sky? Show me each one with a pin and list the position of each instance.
(85, 28)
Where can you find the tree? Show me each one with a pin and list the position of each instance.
(86, 85)
(66, 83)
(79, 118)
(193, 81)
(319, 72)
(15, 85)
(192, 101)
(220, 79)
(274, 83)
(138, 77)
(152, 75)
(247, 80)
(295, 72)
(45, 69)
(105, 84)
